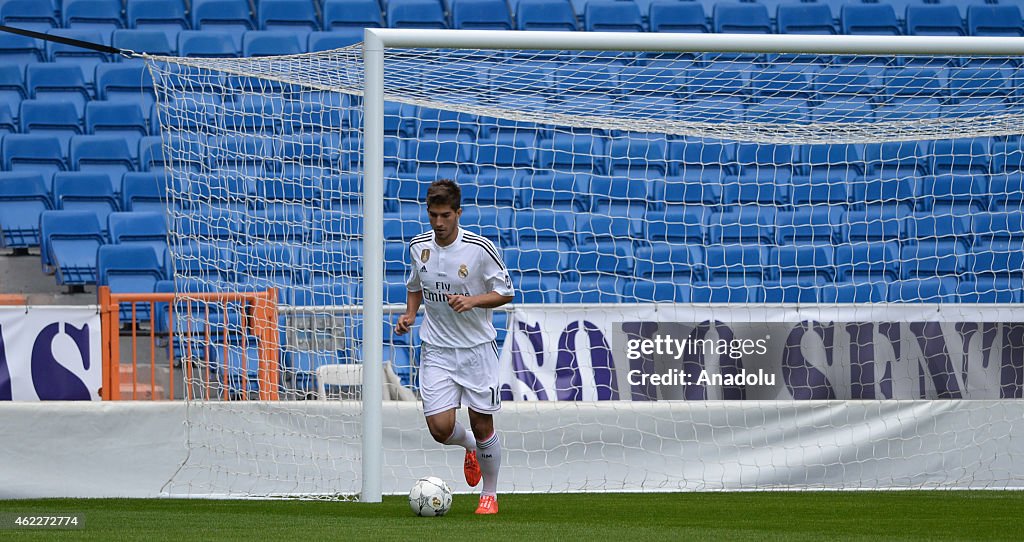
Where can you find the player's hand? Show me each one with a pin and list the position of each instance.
(404, 324)
(461, 303)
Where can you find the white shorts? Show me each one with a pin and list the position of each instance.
(453, 377)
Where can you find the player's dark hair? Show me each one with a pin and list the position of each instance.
(444, 192)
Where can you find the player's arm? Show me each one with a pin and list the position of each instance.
(413, 300)
(490, 300)
(412, 306)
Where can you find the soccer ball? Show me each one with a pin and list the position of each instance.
(430, 496)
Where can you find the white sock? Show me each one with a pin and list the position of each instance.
(461, 437)
(489, 455)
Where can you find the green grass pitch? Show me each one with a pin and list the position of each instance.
(905, 515)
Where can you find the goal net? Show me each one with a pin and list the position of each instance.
(733, 270)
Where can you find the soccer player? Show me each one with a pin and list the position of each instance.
(460, 276)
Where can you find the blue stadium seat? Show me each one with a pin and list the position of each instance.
(603, 243)
(941, 225)
(396, 257)
(58, 82)
(741, 19)
(764, 177)
(677, 224)
(317, 111)
(347, 19)
(721, 79)
(705, 166)
(85, 191)
(671, 16)
(861, 292)
(130, 269)
(1000, 256)
(827, 172)
(994, 20)
(739, 289)
(272, 42)
(12, 85)
(481, 15)
(207, 260)
(49, 117)
(266, 265)
(545, 15)
(892, 173)
(144, 192)
(1003, 225)
(877, 223)
(69, 243)
(542, 225)
(640, 291)
(37, 153)
(101, 15)
(416, 14)
(231, 17)
(931, 20)
(117, 119)
(23, 197)
(620, 195)
(139, 228)
(923, 290)
(203, 43)
(872, 19)
(670, 262)
(801, 264)
(592, 288)
(913, 93)
(959, 180)
(336, 39)
(735, 264)
(495, 225)
(783, 82)
(934, 257)
(490, 187)
(408, 223)
(35, 15)
(125, 82)
(533, 288)
(990, 290)
(7, 123)
(434, 123)
(540, 257)
(805, 18)
(867, 261)
(253, 113)
(16, 51)
(635, 160)
(553, 190)
(153, 42)
(101, 153)
(85, 59)
(980, 87)
(330, 260)
(437, 159)
(810, 225)
(847, 83)
(743, 224)
(573, 152)
(779, 110)
(287, 15)
(612, 16)
(167, 17)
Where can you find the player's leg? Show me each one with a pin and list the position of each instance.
(441, 397)
(489, 455)
(478, 373)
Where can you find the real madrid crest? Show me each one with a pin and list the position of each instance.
(463, 271)
(425, 255)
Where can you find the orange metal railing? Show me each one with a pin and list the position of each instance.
(259, 319)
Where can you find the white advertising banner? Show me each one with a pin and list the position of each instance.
(50, 353)
(646, 353)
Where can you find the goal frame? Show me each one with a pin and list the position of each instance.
(377, 40)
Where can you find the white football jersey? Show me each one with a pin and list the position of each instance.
(469, 266)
